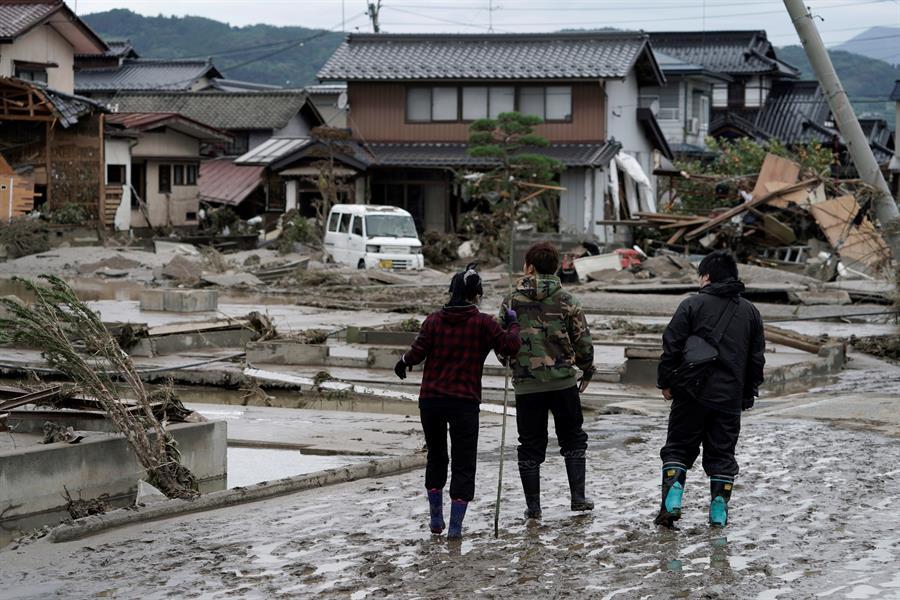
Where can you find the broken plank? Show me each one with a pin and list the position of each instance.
(791, 339)
(198, 327)
(676, 236)
(691, 223)
(727, 215)
(775, 168)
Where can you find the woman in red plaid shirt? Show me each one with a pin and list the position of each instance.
(454, 342)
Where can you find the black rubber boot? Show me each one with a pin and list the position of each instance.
(531, 485)
(720, 487)
(673, 478)
(576, 466)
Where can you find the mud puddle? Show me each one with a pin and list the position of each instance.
(247, 466)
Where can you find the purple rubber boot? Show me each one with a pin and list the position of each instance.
(436, 504)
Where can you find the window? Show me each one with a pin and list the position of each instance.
(165, 179)
(720, 95)
(178, 174)
(501, 100)
(418, 105)
(669, 104)
(736, 95)
(704, 112)
(357, 226)
(115, 174)
(474, 103)
(345, 224)
(444, 104)
(333, 221)
(531, 101)
(32, 74)
(191, 172)
(558, 103)
(239, 144)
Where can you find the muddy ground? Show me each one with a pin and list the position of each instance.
(813, 515)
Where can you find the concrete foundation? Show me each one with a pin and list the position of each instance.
(184, 301)
(176, 343)
(34, 478)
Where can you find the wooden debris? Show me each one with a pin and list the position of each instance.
(775, 168)
(16, 193)
(792, 339)
(860, 246)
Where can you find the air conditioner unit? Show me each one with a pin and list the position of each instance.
(693, 126)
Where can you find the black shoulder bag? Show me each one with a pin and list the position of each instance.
(699, 354)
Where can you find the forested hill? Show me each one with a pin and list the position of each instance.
(868, 81)
(304, 50)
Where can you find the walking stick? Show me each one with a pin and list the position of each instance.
(512, 237)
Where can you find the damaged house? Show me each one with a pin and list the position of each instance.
(411, 99)
(51, 139)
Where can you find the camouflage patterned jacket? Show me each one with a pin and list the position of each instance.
(555, 336)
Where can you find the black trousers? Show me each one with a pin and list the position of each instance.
(531, 419)
(461, 417)
(692, 424)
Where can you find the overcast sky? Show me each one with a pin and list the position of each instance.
(843, 19)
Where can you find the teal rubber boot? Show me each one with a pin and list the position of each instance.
(673, 478)
(720, 487)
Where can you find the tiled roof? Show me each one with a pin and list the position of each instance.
(140, 74)
(796, 112)
(147, 121)
(223, 182)
(731, 52)
(223, 110)
(234, 85)
(487, 56)
(18, 17)
(71, 107)
(271, 150)
(455, 155)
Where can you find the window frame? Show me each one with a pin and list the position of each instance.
(460, 102)
(191, 174)
(178, 175)
(167, 169)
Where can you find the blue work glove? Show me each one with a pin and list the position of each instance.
(510, 317)
(400, 368)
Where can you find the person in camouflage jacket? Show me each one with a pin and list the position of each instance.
(555, 340)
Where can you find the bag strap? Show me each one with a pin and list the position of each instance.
(725, 320)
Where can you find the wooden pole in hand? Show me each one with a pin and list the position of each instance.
(512, 238)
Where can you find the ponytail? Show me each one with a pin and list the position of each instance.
(465, 286)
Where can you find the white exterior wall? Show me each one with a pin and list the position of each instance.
(622, 124)
(118, 152)
(167, 144)
(43, 44)
(583, 202)
(296, 127)
(258, 137)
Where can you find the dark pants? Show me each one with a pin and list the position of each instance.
(692, 424)
(462, 420)
(531, 420)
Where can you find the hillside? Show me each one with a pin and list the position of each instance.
(881, 43)
(868, 81)
(176, 37)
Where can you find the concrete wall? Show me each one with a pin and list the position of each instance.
(33, 479)
(258, 137)
(43, 44)
(167, 209)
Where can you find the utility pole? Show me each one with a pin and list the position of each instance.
(491, 16)
(848, 124)
(374, 8)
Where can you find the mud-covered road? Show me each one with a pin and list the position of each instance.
(814, 515)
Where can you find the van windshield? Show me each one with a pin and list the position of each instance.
(390, 226)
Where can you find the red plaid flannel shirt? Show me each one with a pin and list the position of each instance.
(454, 342)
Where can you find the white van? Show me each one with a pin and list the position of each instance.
(369, 237)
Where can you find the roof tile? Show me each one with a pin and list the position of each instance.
(139, 74)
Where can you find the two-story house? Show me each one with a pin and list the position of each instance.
(747, 58)
(683, 107)
(411, 98)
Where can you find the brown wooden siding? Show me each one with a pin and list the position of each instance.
(378, 114)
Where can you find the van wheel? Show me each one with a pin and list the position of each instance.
(361, 264)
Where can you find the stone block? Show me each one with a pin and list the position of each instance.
(287, 353)
(180, 300)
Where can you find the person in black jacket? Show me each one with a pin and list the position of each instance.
(711, 417)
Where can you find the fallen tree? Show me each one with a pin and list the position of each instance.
(73, 340)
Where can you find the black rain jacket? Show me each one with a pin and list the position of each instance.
(738, 372)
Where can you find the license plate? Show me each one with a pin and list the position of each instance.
(386, 263)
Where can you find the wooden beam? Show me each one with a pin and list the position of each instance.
(748, 205)
(101, 204)
(691, 223)
(36, 118)
(48, 130)
(541, 186)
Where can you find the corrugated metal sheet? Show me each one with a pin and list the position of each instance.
(272, 150)
(223, 182)
(485, 56)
